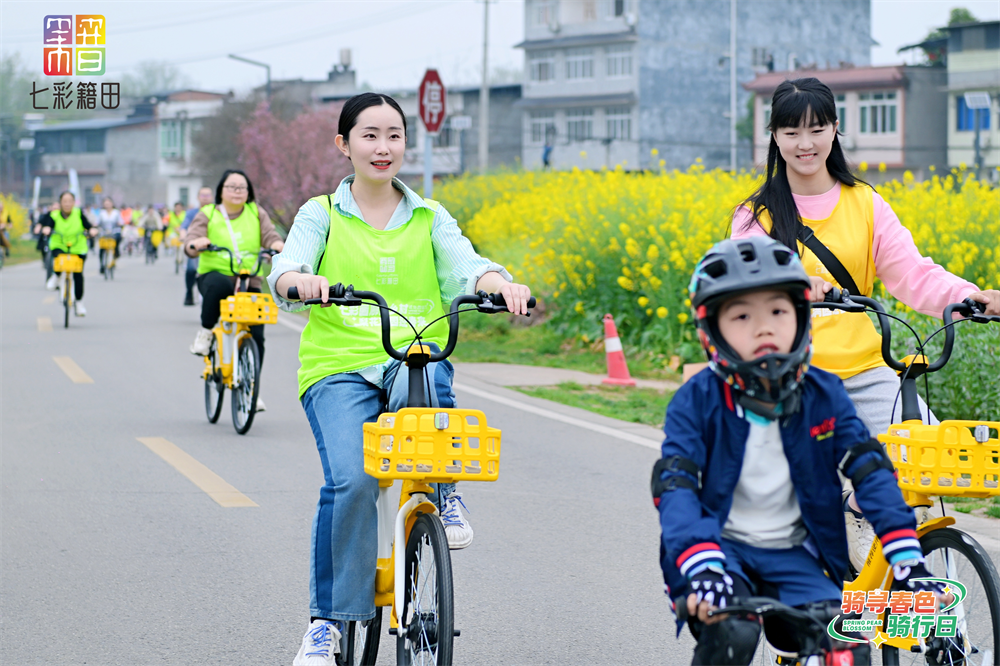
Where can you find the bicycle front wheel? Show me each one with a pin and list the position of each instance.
(244, 398)
(361, 642)
(953, 554)
(214, 389)
(427, 629)
(67, 284)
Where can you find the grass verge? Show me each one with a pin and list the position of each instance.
(22, 251)
(986, 506)
(636, 405)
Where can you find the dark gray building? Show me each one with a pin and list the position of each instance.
(608, 81)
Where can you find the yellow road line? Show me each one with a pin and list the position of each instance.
(48, 300)
(72, 370)
(44, 325)
(210, 482)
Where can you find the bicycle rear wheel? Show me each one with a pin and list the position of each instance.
(953, 554)
(360, 647)
(244, 398)
(67, 285)
(214, 389)
(427, 630)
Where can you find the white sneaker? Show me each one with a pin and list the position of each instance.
(79, 310)
(260, 406)
(456, 525)
(202, 342)
(320, 645)
(53, 283)
(860, 535)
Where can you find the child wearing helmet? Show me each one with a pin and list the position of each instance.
(748, 488)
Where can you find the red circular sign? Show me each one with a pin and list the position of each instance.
(432, 97)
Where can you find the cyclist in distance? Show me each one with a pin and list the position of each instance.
(236, 222)
(771, 525)
(151, 222)
(67, 228)
(379, 235)
(809, 186)
(205, 198)
(175, 218)
(109, 221)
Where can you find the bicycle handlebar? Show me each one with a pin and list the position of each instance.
(342, 296)
(260, 255)
(762, 606)
(841, 299)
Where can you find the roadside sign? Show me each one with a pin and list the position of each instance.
(27, 143)
(461, 122)
(432, 96)
(97, 189)
(977, 100)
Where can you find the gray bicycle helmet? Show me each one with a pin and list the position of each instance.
(735, 267)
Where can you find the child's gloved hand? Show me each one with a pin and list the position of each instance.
(711, 588)
(906, 574)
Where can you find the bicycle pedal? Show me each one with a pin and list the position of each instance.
(393, 631)
(458, 632)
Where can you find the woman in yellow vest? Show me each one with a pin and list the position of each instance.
(377, 234)
(809, 183)
(67, 228)
(175, 219)
(234, 221)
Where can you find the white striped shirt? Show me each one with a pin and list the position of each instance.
(457, 264)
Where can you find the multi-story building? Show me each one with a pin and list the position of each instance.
(973, 65)
(607, 81)
(888, 115)
(145, 155)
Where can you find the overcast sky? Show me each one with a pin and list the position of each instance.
(392, 42)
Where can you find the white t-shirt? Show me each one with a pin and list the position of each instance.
(765, 510)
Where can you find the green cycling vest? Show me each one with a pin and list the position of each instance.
(246, 229)
(175, 221)
(68, 233)
(399, 265)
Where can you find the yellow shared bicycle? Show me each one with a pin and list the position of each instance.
(66, 265)
(419, 445)
(234, 360)
(957, 459)
(107, 246)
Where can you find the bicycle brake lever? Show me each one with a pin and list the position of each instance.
(976, 310)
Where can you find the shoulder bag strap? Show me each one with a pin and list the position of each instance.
(829, 259)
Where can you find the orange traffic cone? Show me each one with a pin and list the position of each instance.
(617, 367)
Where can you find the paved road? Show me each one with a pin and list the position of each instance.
(111, 556)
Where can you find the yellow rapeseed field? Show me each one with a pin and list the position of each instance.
(626, 243)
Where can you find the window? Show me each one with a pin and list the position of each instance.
(619, 60)
(543, 126)
(446, 135)
(172, 138)
(765, 108)
(542, 66)
(579, 124)
(877, 112)
(411, 131)
(842, 112)
(579, 64)
(616, 8)
(589, 8)
(619, 119)
(543, 12)
(966, 118)
(185, 196)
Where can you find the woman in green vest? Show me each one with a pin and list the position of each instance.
(234, 221)
(67, 228)
(175, 219)
(377, 234)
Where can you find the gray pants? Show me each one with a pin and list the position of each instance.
(874, 393)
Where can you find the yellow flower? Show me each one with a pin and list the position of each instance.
(579, 307)
(682, 317)
(583, 154)
(662, 312)
(863, 167)
(933, 168)
(687, 302)
(652, 252)
(649, 311)
(643, 301)
(663, 163)
(654, 152)
(881, 167)
(625, 283)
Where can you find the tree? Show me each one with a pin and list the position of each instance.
(152, 76)
(961, 15)
(289, 162)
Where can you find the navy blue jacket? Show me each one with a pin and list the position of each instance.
(703, 425)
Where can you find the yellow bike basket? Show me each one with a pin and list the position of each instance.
(67, 263)
(157, 238)
(956, 458)
(106, 243)
(247, 308)
(432, 445)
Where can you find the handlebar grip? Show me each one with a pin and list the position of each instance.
(835, 295)
(498, 300)
(293, 294)
(681, 608)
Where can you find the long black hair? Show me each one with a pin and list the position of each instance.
(355, 105)
(222, 181)
(792, 102)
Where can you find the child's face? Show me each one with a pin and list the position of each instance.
(758, 323)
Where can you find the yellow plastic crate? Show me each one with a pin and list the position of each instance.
(946, 459)
(247, 308)
(433, 445)
(175, 240)
(106, 243)
(157, 238)
(67, 263)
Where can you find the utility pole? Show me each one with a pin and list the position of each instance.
(732, 85)
(258, 64)
(484, 95)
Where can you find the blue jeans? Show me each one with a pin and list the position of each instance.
(344, 531)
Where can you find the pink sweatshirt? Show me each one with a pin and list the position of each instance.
(912, 278)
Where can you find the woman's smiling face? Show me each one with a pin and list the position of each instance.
(377, 143)
(806, 147)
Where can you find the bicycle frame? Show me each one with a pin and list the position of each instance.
(227, 339)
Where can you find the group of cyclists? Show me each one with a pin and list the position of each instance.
(748, 493)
